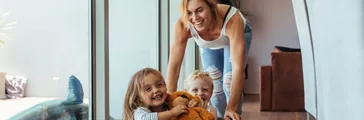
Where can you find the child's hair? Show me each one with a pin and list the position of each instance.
(198, 75)
(132, 98)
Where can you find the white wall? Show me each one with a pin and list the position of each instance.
(50, 39)
(273, 25)
(338, 42)
(133, 45)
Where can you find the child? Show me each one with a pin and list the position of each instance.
(199, 83)
(145, 98)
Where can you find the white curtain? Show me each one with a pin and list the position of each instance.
(338, 53)
(308, 64)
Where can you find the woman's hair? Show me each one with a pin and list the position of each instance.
(132, 98)
(198, 75)
(214, 12)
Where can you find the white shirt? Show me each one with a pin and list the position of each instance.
(220, 42)
(142, 113)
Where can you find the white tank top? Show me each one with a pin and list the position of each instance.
(220, 42)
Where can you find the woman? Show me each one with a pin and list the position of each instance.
(223, 35)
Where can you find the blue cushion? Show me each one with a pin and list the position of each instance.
(72, 108)
(75, 92)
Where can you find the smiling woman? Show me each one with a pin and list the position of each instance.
(223, 35)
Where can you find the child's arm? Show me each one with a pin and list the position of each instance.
(166, 115)
(177, 110)
(145, 114)
(214, 112)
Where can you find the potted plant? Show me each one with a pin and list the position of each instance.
(4, 26)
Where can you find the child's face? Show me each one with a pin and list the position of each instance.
(154, 91)
(201, 88)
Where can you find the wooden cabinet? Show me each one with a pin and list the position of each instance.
(2, 85)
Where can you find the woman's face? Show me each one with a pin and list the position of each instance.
(199, 14)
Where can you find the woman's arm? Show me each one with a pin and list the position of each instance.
(177, 51)
(235, 31)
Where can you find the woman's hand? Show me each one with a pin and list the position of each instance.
(231, 115)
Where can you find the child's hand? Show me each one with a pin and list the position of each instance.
(203, 104)
(192, 103)
(179, 109)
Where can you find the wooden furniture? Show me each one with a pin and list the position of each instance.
(2, 85)
(282, 83)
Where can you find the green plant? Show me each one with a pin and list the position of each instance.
(5, 26)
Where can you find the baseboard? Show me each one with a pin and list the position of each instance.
(310, 117)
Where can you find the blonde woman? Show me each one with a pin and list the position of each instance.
(223, 35)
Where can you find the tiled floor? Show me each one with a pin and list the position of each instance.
(251, 111)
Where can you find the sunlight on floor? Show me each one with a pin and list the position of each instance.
(251, 111)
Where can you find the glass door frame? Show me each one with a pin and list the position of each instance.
(99, 29)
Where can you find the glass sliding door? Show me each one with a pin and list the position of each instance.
(133, 45)
(47, 49)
